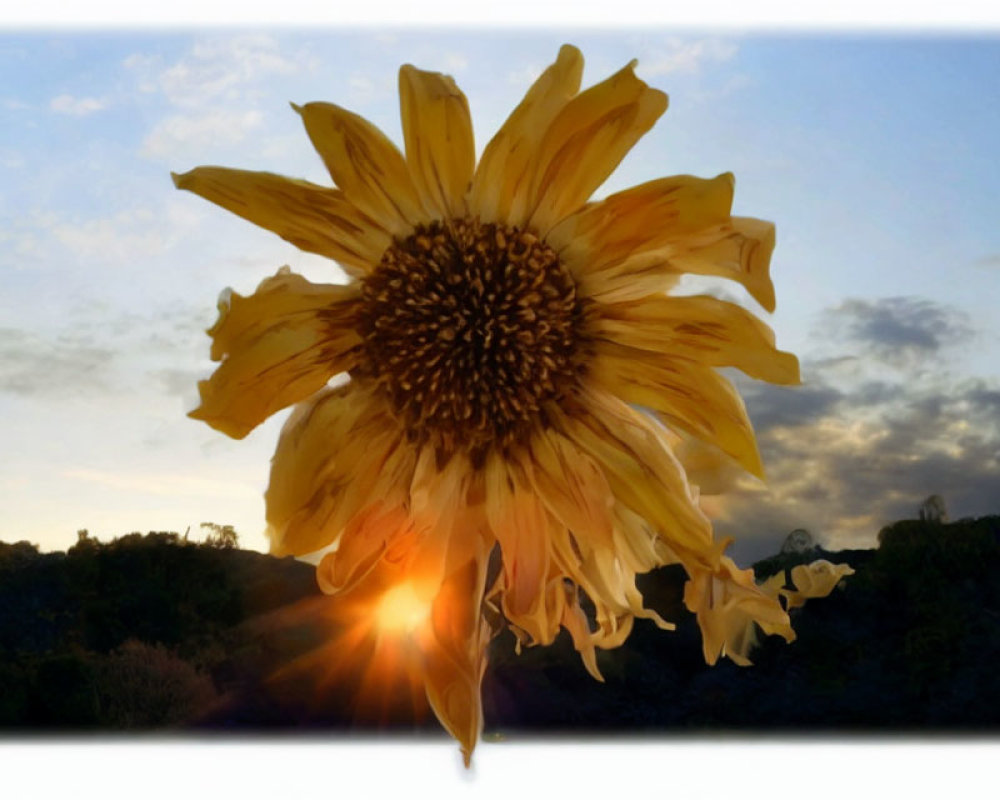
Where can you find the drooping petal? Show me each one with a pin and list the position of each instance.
(367, 166)
(646, 217)
(575, 621)
(437, 131)
(363, 542)
(738, 250)
(702, 329)
(454, 651)
(313, 218)
(707, 467)
(277, 346)
(637, 543)
(585, 143)
(727, 603)
(335, 454)
(813, 580)
(500, 186)
(445, 498)
(518, 520)
(684, 394)
(583, 546)
(573, 488)
(640, 469)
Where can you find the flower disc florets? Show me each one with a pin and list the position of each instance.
(471, 328)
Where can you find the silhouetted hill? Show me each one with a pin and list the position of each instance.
(151, 632)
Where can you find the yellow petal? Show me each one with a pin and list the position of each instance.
(814, 580)
(572, 487)
(707, 467)
(640, 469)
(742, 252)
(313, 218)
(684, 394)
(455, 653)
(575, 621)
(647, 217)
(637, 544)
(500, 187)
(437, 131)
(739, 250)
(517, 519)
(702, 329)
(727, 604)
(367, 166)
(277, 346)
(362, 544)
(586, 141)
(336, 453)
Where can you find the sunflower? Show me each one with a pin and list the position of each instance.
(519, 376)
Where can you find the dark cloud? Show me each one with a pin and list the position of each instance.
(897, 330)
(845, 462)
(770, 406)
(858, 446)
(31, 365)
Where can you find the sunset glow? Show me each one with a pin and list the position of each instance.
(401, 610)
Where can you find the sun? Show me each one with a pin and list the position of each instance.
(401, 610)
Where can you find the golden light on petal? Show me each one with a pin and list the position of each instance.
(520, 384)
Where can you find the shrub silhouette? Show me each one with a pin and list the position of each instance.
(147, 632)
(142, 686)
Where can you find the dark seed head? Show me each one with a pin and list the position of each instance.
(470, 328)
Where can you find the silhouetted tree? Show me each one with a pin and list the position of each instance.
(933, 509)
(221, 536)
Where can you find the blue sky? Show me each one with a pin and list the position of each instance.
(874, 154)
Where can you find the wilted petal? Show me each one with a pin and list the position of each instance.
(336, 453)
(702, 329)
(641, 470)
(814, 580)
(277, 346)
(518, 519)
(727, 604)
(455, 649)
(499, 188)
(364, 541)
(739, 250)
(313, 218)
(367, 166)
(646, 217)
(684, 394)
(586, 141)
(572, 487)
(437, 130)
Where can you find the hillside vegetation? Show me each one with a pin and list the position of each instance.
(150, 632)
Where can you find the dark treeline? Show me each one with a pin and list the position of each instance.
(150, 632)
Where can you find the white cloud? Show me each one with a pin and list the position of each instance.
(117, 239)
(186, 134)
(214, 70)
(683, 55)
(212, 91)
(31, 365)
(76, 106)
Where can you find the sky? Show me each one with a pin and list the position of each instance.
(874, 153)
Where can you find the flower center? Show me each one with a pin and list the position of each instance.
(471, 328)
